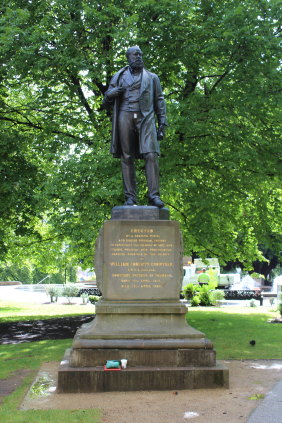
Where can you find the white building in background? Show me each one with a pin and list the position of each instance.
(191, 272)
(85, 275)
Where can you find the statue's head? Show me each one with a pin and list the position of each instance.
(134, 57)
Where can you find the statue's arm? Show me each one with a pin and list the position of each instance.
(159, 102)
(108, 100)
(159, 107)
(107, 103)
(112, 92)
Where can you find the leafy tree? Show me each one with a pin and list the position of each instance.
(221, 160)
(29, 274)
(13, 272)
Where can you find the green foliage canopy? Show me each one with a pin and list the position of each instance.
(219, 64)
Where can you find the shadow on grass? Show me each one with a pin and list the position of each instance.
(15, 332)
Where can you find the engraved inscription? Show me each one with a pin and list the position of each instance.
(141, 258)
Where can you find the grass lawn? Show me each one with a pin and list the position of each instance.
(230, 328)
(15, 311)
(10, 414)
(31, 356)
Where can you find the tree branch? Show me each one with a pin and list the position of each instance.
(199, 136)
(101, 87)
(41, 128)
(186, 220)
(278, 31)
(76, 82)
(208, 76)
(219, 80)
(217, 168)
(208, 250)
(39, 241)
(190, 85)
(179, 211)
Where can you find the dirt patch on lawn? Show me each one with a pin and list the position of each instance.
(8, 385)
(249, 382)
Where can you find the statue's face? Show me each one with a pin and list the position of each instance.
(135, 59)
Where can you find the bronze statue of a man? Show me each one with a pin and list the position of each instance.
(137, 99)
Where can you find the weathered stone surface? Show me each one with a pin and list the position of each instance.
(140, 213)
(95, 379)
(126, 326)
(139, 260)
(141, 307)
(142, 343)
(93, 357)
(140, 317)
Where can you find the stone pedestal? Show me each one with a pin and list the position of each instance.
(138, 264)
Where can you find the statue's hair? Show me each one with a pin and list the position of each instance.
(129, 50)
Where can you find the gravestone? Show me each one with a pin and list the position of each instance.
(140, 317)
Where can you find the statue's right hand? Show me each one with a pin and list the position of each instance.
(115, 92)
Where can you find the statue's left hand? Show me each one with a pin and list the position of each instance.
(115, 92)
(161, 132)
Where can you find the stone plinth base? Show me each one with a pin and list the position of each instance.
(90, 357)
(139, 213)
(95, 379)
(138, 264)
(133, 322)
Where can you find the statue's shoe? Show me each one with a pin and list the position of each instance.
(157, 202)
(130, 202)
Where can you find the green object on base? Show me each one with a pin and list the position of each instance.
(112, 364)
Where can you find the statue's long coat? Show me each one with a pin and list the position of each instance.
(151, 102)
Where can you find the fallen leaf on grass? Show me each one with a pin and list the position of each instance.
(257, 397)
